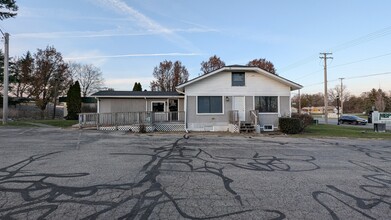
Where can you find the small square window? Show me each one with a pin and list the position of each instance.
(238, 79)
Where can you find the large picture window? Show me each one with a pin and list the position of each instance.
(210, 104)
(238, 79)
(266, 103)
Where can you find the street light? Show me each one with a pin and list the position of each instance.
(338, 109)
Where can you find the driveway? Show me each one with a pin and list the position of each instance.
(48, 173)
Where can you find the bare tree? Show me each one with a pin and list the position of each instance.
(50, 77)
(263, 64)
(168, 75)
(343, 94)
(89, 77)
(380, 103)
(214, 63)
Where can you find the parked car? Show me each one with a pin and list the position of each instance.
(352, 119)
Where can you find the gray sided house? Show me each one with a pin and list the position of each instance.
(234, 97)
(138, 101)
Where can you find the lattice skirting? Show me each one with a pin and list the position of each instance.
(170, 127)
(234, 128)
(148, 128)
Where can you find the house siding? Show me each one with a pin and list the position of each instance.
(285, 108)
(121, 105)
(108, 105)
(207, 122)
(268, 119)
(220, 85)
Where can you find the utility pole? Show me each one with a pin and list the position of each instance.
(325, 57)
(5, 89)
(341, 95)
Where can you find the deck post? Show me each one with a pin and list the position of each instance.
(97, 121)
(115, 121)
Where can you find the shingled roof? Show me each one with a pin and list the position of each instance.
(136, 94)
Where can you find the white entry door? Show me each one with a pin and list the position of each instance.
(239, 104)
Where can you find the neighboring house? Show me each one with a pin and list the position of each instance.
(88, 104)
(319, 110)
(212, 100)
(217, 101)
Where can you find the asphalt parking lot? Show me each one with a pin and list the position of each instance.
(50, 173)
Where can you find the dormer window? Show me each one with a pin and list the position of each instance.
(238, 79)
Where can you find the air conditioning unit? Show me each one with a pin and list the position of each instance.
(268, 128)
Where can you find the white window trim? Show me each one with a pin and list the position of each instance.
(164, 103)
(222, 103)
(244, 79)
(269, 113)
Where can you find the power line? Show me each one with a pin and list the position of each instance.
(369, 75)
(353, 77)
(344, 64)
(357, 61)
(363, 39)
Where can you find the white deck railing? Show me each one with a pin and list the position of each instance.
(128, 118)
(254, 116)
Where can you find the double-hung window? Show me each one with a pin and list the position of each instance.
(210, 104)
(238, 79)
(267, 104)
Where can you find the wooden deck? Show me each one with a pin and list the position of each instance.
(134, 121)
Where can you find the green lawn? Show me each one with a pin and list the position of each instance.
(352, 131)
(35, 123)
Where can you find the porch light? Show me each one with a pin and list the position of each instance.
(227, 98)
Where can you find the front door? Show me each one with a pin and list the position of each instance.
(239, 104)
(158, 109)
(173, 106)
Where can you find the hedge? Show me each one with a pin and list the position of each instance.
(290, 125)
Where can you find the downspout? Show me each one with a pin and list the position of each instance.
(184, 108)
(146, 104)
(98, 105)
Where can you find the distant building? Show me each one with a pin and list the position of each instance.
(318, 110)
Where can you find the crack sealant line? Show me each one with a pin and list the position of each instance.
(26, 131)
(78, 141)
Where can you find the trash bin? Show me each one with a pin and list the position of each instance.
(379, 127)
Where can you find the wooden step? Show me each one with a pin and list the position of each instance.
(246, 127)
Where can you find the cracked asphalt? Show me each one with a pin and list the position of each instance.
(51, 173)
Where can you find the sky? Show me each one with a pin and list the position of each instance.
(126, 39)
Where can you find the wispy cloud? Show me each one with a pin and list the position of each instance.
(131, 55)
(103, 34)
(77, 34)
(120, 7)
